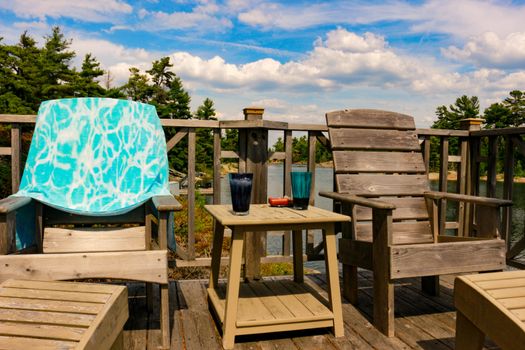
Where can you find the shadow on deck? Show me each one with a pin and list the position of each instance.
(421, 321)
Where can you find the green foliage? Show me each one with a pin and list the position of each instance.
(204, 147)
(510, 112)
(300, 150)
(450, 118)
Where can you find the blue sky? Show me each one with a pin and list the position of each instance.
(299, 59)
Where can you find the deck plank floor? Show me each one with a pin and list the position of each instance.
(421, 321)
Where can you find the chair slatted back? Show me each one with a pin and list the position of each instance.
(377, 155)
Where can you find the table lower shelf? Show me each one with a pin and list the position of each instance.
(274, 306)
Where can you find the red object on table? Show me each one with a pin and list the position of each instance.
(279, 201)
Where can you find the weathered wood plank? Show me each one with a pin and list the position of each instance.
(410, 232)
(65, 240)
(409, 208)
(369, 118)
(368, 139)
(382, 185)
(446, 258)
(379, 162)
(150, 266)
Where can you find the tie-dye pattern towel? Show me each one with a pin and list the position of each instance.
(96, 156)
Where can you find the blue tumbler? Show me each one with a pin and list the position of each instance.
(241, 192)
(301, 181)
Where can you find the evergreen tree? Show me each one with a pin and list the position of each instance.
(510, 112)
(55, 66)
(20, 88)
(465, 107)
(449, 118)
(204, 147)
(137, 88)
(85, 83)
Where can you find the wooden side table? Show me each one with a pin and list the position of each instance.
(273, 306)
(62, 315)
(491, 304)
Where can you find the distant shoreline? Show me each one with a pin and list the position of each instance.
(452, 175)
(434, 176)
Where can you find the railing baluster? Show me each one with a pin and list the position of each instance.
(191, 193)
(16, 147)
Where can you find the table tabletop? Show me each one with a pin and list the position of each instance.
(263, 214)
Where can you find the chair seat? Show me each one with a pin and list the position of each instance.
(110, 239)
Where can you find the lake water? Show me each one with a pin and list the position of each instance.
(324, 182)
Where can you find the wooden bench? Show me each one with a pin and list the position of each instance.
(61, 315)
(491, 304)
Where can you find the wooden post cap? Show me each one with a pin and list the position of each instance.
(253, 113)
(471, 123)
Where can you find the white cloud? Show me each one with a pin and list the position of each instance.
(203, 17)
(113, 57)
(489, 50)
(343, 59)
(461, 18)
(84, 10)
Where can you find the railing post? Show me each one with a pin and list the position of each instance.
(217, 166)
(443, 182)
(16, 147)
(257, 163)
(287, 183)
(312, 142)
(471, 166)
(191, 193)
(508, 182)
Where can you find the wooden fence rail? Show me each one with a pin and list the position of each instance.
(253, 156)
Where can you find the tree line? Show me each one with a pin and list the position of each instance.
(510, 112)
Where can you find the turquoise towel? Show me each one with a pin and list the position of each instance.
(95, 156)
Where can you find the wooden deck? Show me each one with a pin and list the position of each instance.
(421, 321)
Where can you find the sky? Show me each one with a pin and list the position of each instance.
(298, 59)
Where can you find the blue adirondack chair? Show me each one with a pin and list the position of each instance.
(93, 163)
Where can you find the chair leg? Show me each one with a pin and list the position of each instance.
(149, 297)
(468, 336)
(430, 285)
(118, 344)
(383, 305)
(164, 316)
(350, 283)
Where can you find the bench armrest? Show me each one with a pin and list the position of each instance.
(485, 201)
(353, 199)
(11, 204)
(166, 203)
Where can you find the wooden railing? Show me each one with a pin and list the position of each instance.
(253, 156)
(468, 162)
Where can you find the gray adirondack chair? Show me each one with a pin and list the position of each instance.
(381, 182)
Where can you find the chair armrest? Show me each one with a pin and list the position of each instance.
(485, 201)
(10, 204)
(353, 199)
(166, 203)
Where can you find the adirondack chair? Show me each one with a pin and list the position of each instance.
(93, 165)
(380, 181)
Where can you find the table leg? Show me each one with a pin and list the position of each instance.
(468, 336)
(298, 256)
(218, 237)
(332, 274)
(232, 292)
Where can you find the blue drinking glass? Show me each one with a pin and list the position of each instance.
(241, 192)
(301, 182)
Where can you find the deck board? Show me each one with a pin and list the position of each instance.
(422, 321)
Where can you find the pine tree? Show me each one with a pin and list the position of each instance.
(137, 87)
(204, 147)
(85, 83)
(55, 66)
